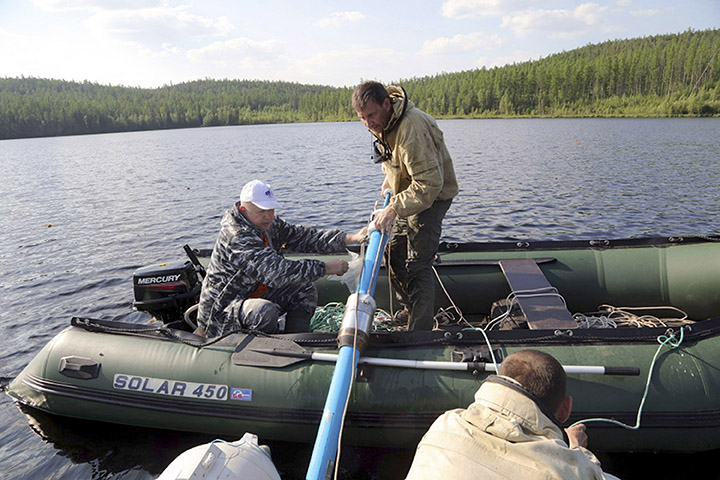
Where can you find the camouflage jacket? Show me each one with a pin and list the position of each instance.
(241, 261)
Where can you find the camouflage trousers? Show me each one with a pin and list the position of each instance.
(297, 302)
(410, 255)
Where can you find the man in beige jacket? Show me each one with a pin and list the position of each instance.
(420, 174)
(511, 431)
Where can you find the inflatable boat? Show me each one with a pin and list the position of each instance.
(636, 323)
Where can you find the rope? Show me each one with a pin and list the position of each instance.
(444, 315)
(354, 350)
(612, 317)
(347, 398)
(328, 318)
(615, 317)
(513, 297)
(388, 259)
(668, 340)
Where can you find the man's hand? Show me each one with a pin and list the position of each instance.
(336, 267)
(384, 219)
(577, 436)
(355, 238)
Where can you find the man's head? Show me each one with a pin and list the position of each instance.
(543, 376)
(372, 104)
(258, 204)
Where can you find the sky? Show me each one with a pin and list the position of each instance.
(151, 43)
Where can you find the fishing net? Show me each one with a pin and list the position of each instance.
(328, 318)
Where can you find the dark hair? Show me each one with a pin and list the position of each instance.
(540, 373)
(368, 91)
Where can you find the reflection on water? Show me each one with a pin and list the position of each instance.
(84, 449)
(100, 451)
(80, 214)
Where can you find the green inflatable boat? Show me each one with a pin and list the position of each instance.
(642, 314)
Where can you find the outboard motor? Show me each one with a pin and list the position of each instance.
(166, 290)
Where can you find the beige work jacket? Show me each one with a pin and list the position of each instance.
(420, 170)
(502, 435)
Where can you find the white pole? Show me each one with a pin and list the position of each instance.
(464, 366)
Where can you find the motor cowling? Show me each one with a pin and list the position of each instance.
(166, 290)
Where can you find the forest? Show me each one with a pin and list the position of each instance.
(659, 76)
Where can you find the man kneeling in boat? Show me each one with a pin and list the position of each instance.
(511, 431)
(249, 284)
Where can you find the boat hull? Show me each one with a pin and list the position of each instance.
(165, 378)
(389, 406)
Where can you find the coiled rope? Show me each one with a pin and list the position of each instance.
(609, 316)
(328, 318)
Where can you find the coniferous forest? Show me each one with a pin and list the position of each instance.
(659, 76)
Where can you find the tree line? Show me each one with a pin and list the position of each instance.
(663, 75)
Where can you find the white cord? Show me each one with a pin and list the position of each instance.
(469, 325)
(455, 307)
(615, 317)
(515, 295)
(352, 381)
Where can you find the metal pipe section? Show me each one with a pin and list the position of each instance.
(357, 321)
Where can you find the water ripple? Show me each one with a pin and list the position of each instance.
(108, 204)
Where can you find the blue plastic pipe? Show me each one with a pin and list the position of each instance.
(373, 259)
(326, 442)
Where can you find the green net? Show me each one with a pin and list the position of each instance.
(328, 318)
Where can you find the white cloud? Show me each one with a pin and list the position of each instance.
(461, 43)
(335, 20)
(92, 5)
(237, 51)
(590, 13)
(150, 42)
(6, 35)
(650, 12)
(156, 26)
(555, 23)
(335, 67)
(484, 8)
(14, 55)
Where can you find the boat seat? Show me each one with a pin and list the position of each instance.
(541, 311)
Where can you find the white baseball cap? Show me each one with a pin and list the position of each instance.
(260, 194)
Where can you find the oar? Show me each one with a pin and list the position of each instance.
(353, 337)
(443, 365)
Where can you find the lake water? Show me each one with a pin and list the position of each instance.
(80, 214)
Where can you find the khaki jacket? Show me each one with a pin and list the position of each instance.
(502, 435)
(420, 170)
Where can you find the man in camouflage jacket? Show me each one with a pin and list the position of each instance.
(249, 284)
